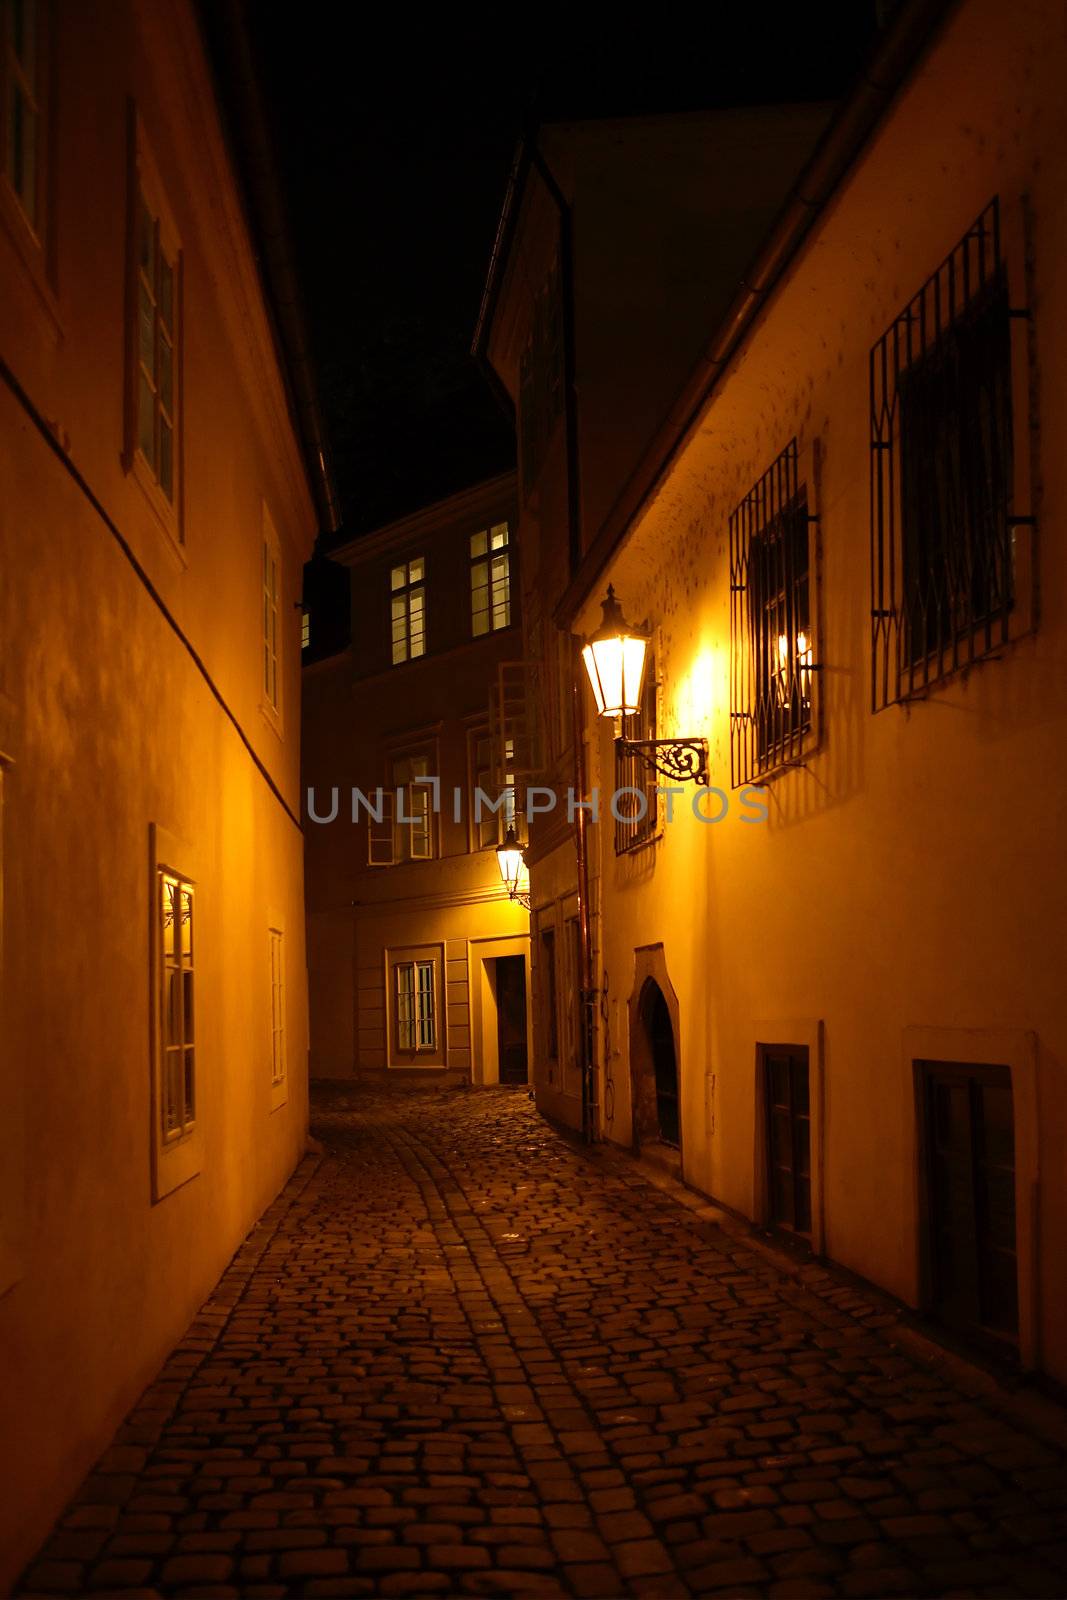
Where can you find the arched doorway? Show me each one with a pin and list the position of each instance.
(655, 1071)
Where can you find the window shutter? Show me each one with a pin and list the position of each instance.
(380, 851)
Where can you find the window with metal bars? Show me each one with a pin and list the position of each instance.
(772, 651)
(788, 1136)
(176, 1009)
(942, 473)
(636, 806)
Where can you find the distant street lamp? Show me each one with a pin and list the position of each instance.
(614, 659)
(511, 859)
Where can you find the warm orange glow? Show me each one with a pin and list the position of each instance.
(615, 661)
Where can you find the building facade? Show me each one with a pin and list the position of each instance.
(828, 978)
(155, 516)
(418, 958)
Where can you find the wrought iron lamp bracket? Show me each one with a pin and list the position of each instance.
(672, 758)
(522, 900)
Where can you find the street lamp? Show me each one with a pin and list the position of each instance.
(511, 859)
(614, 659)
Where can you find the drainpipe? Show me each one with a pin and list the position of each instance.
(586, 984)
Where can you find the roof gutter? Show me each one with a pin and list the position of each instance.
(271, 232)
(844, 138)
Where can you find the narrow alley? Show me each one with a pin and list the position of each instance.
(462, 1356)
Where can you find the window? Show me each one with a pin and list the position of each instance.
(788, 1135)
(947, 549)
(549, 995)
(488, 827)
(22, 50)
(305, 630)
(277, 1007)
(413, 834)
(541, 380)
(415, 1015)
(968, 1123)
(156, 346)
(772, 659)
(271, 590)
(177, 1047)
(637, 811)
(407, 583)
(490, 580)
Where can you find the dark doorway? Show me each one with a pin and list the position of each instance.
(788, 1100)
(969, 1138)
(511, 1018)
(656, 1017)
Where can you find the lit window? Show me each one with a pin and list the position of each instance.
(177, 1047)
(408, 614)
(155, 402)
(271, 590)
(415, 1022)
(305, 630)
(490, 580)
(22, 47)
(277, 1007)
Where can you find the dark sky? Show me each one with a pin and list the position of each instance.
(394, 147)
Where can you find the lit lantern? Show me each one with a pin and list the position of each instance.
(511, 859)
(615, 660)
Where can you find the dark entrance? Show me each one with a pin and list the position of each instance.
(511, 1018)
(656, 1017)
(969, 1139)
(787, 1098)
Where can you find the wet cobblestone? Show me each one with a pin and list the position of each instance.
(460, 1357)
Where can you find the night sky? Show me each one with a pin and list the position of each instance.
(394, 149)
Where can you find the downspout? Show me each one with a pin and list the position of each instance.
(586, 986)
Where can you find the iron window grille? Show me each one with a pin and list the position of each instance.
(636, 812)
(772, 651)
(176, 1007)
(942, 471)
(277, 1006)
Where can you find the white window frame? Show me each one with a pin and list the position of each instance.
(487, 833)
(147, 197)
(279, 1071)
(413, 840)
(176, 1145)
(272, 658)
(422, 995)
(407, 604)
(490, 579)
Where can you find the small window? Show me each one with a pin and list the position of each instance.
(277, 1007)
(22, 132)
(177, 1012)
(788, 1136)
(490, 561)
(305, 630)
(416, 1027)
(947, 548)
(408, 610)
(772, 652)
(271, 577)
(156, 344)
(637, 817)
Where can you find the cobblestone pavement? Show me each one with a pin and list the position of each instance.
(460, 1357)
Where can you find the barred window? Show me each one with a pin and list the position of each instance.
(772, 650)
(408, 610)
(177, 1049)
(636, 808)
(942, 548)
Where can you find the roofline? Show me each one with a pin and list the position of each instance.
(505, 231)
(847, 134)
(426, 519)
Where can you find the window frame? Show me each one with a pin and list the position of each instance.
(405, 593)
(775, 711)
(418, 790)
(176, 1152)
(631, 772)
(146, 191)
(29, 231)
(278, 1020)
(484, 556)
(426, 957)
(480, 775)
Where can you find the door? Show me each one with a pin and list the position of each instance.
(969, 1158)
(511, 1018)
(664, 1061)
(788, 1135)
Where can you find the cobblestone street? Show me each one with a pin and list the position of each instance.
(461, 1357)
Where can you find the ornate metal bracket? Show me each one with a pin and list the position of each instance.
(522, 900)
(673, 758)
